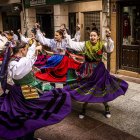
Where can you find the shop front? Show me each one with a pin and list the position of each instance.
(127, 37)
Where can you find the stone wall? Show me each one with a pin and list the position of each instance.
(60, 16)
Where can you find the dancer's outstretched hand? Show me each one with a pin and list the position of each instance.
(19, 31)
(37, 26)
(39, 49)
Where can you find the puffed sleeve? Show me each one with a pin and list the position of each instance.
(44, 41)
(24, 39)
(78, 46)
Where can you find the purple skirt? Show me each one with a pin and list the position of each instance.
(98, 88)
(19, 116)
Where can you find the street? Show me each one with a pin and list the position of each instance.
(73, 128)
(123, 125)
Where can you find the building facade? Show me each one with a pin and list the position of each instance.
(53, 13)
(10, 14)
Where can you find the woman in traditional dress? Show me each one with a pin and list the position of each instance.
(77, 34)
(42, 56)
(95, 84)
(27, 105)
(3, 40)
(58, 64)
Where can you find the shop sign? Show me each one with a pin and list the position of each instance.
(29, 3)
(37, 2)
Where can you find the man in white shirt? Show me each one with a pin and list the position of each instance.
(77, 34)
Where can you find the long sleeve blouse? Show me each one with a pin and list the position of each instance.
(108, 45)
(24, 39)
(77, 36)
(56, 47)
(18, 69)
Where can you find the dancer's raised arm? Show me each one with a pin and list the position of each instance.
(27, 57)
(78, 46)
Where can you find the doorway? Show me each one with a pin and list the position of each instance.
(11, 22)
(129, 36)
(47, 24)
(72, 24)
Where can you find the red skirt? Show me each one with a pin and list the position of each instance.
(59, 72)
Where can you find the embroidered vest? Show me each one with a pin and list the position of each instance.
(28, 86)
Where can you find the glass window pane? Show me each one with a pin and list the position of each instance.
(91, 20)
(131, 25)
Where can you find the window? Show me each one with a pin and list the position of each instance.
(131, 25)
(91, 20)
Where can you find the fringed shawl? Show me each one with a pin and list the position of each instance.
(93, 52)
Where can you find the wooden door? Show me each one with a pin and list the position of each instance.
(129, 36)
(47, 24)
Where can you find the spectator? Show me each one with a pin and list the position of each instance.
(15, 37)
(77, 34)
(94, 27)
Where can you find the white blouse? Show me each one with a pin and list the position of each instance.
(24, 39)
(56, 47)
(77, 36)
(18, 69)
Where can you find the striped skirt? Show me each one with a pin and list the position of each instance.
(19, 116)
(96, 85)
